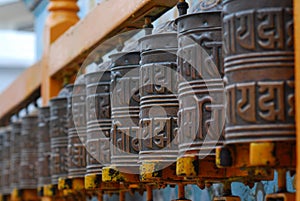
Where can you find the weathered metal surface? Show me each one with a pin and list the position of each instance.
(29, 152)
(15, 153)
(5, 168)
(59, 134)
(259, 71)
(77, 130)
(125, 111)
(44, 147)
(158, 98)
(98, 119)
(200, 88)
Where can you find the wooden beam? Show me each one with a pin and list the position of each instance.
(297, 90)
(21, 92)
(106, 20)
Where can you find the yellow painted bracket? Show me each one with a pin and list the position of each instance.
(187, 166)
(277, 154)
(149, 172)
(92, 181)
(49, 190)
(112, 174)
(159, 173)
(63, 184)
(15, 196)
(262, 154)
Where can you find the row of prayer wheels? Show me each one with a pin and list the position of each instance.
(207, 98)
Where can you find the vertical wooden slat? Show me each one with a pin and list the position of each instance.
(62, 15)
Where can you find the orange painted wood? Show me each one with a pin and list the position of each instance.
(62, 16)
(297, 89)
(24, 88)
(106, 20)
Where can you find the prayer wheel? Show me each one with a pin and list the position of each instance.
(98, 119)
(158, 98)
(259, 71)
(5, 168)
(44, 147)
(200, 87)
(15, 154)
(59, 134)
(125, 110)
(29, 153)
(77, 130)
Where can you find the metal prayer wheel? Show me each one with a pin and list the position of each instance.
(15, 154)
(5, 168)
(29, 152)
(200, 88)
(259, 71)
(44, 147)
(59, 134)
(158, 98)
(125, 110)
(77, 130)
(98, 119)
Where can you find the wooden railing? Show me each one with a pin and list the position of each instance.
(66, 48)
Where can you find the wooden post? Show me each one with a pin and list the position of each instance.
(297, 90)
(63, 15)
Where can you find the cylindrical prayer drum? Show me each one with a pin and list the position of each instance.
(15, 154)
(200, 87)
(44, 147)
(59, 134)
(259, 70)
(77, 130)
(5, 168)
(29, 152)
(98, 119)
(125, 110)
(158, 98)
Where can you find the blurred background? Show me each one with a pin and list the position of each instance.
(21, 34)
